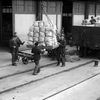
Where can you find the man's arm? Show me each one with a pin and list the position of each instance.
(19, 41)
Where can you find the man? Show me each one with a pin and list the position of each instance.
(15, 43)
(61, 51)
(37, 55)
(92, 21)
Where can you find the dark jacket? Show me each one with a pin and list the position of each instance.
(36, 52)
(15, 42)
(92, 21)
(61, 48)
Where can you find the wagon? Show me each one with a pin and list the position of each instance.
(25, 57)
(87, 38)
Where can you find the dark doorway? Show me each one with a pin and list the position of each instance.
(6, 28)
(67, 18)
(6, 22)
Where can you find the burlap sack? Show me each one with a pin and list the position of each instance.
(35, 39)
(36, 29)
(42, 29)
(49, 43)
(30, 38)
(30, 34)
(42, 44)
(36, 34)
(31, 29)
(48, 29)
(41, 24)
(41, 39)
(49, 33)
(48, 39)
(35, 24)
(42, 34)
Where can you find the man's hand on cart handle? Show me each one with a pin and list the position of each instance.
(23, 42)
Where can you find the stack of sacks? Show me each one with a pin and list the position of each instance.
(30, 36)
(45, 35)
(55, 42)
(36, 32)
(49, 37)
(41, 33)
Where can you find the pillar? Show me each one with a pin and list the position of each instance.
(38, 10)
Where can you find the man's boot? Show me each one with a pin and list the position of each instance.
(58, 63)
(35, 71)
(38, 70)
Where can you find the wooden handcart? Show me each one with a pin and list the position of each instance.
(25, 57)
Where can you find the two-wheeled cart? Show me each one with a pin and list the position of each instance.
(25, 57)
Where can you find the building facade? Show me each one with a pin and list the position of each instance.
(19, 15)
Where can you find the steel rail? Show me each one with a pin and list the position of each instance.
(19, 86)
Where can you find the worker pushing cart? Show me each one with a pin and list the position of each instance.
(15, 43)
(41, 37)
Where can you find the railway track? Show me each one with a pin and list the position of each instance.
(28, 70)
(38, 79)
(67, 88)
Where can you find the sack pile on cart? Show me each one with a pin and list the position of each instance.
(43, 34)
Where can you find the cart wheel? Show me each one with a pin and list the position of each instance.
(25, 60)
(32, 60)
(18, 58)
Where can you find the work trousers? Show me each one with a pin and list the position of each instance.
(36, 69)
(14, 53)
(61, 59)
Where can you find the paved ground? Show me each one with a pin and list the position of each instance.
(88, 90)
(50, 81)
(5, 56)
(18, 83)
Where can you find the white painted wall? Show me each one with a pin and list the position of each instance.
(77, 20)
(59, 22)
(51, 17)
(24, 21)
(78, 13)
(22, 24)
(55, 19)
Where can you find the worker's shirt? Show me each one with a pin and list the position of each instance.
(36, 52)
(15, 42)
(92, 21)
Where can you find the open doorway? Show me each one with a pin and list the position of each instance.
(6, 25)
(67, 19)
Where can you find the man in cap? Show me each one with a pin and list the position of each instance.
(37, 55)
(61, 51)
(92, 21)
(15, 43)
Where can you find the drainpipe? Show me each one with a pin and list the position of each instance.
(95, 9)
(0, 21)
(86, 10)
(38, 10)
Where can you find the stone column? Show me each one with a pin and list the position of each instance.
(38, 10)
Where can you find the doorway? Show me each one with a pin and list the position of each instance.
(67, 19)
(6, 30)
